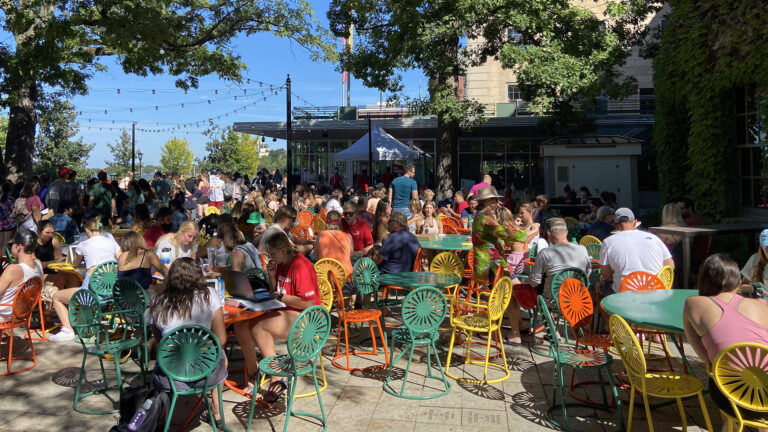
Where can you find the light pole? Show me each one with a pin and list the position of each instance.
(140, 155)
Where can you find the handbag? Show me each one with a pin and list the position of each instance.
(20, 212)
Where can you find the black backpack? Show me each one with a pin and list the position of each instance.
(133, 397)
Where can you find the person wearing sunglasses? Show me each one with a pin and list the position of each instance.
(362, 240)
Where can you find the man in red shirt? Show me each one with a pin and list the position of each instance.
(336, 180)
(163, 226)
(293, 280)
(362, 240)
(363, 180)
(699, 245)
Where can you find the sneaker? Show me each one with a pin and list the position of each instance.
(63, 335)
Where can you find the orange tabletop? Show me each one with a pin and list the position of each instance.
(529, 261)
(235, 314)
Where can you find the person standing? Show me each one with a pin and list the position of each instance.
(162, 189)
(102, 198)
(486, 182)
(336, 181)
(216, 190)
(402, 190)
(363, 179)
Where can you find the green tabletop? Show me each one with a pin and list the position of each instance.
(451, 242)
(410, 279)
(658, 310)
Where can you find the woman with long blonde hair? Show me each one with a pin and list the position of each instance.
(182, 243)
(756, 268)
(671, 216)
(137, 260)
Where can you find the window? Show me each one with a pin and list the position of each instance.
(513, 93)
(515, 37)
(753, 150)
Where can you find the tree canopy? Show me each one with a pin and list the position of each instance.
(231, 152)
(176, 156)
(64, 44)
(54, 145)
(563, 52)
(121, 155)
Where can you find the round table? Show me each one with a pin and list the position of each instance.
(411, 279)
(658, 310)
(452, 242)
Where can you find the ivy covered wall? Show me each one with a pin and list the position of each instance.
(709, 50)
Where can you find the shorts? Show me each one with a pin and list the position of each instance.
(515, 261)
(217, 204)
(86, 281)
(202, 200)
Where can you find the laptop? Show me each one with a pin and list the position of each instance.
(236, 283)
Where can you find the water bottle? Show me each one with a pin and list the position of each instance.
(212, 257)
(165, 256)
(140, 416)
(220, 288)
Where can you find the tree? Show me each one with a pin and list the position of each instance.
(54, 145)
(3, 130)
(176, 156)
(59, 45)
(121, 155)
(276, 159)
(393, 36)
(231, 152)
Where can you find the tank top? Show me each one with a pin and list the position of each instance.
(430, 229)
(140, 274)
(10, 293)
(733, 327)
(44, 252)
(335, 244)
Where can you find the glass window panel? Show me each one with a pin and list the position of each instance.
(739, 101)
(744, 162)
(741, 130)
(468, 166)
(469, 146)
(757, 192)
(756, 153)
(746, 192)
(518, 145)
(753, 129)
(337, 146)
(494, 145)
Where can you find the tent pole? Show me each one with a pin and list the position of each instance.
(370, 151)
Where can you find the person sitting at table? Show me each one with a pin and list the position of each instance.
(294, 280)
(362, 240)
(468, 214)
(245, 255)
(719, 317)
(63, 222)
(526, 223)
(543, 211)
(487, 231)
(97, 249)
(363, 214)
(458, 205)
(756, 270)
(163, 226)
(603, 226)
(381, 221)
(628, 251)
(594, 206)
(187, 300)
(182, 243)
(335, 243)
(429, 224)
(560, 255)
(416, 217)
(136, 260)
(284, 219)
(226, 238)
(399, 249)
(141, 219)
(48, 251)
(23, 248)
(671, 216)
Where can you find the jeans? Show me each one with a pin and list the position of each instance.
(405, 210)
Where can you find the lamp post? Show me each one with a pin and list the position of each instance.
(140, 155)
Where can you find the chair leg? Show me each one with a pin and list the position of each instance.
(10, 349)
(616, 399)
(383, 339)
(705, 412)
(208, 407)
(319, 398)
(680, 408)
(79, 382)
(631, 407)
(488, 355)
(169, 415)
(450, 352)
(648, 412)
(219, 390)
(407, 367)
(440, 368)
(250, 410)
(289, 402)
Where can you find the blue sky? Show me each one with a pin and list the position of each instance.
(269, 60)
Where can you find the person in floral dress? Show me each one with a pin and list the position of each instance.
(488, 232)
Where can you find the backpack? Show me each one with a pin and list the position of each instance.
(133, 397)
(20, 212)
(227, 191)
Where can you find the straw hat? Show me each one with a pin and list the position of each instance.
(486, 193)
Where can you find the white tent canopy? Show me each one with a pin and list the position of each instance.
(383, 147)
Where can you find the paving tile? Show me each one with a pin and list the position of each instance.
(440, 415)
(382, 425)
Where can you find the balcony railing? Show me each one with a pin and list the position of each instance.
(603, 106)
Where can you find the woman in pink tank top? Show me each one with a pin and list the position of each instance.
(720, 317)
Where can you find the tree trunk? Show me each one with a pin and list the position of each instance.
(20, 141)
(447, 155)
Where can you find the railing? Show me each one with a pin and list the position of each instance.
(603, 106)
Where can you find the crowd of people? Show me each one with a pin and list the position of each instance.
(179, 228)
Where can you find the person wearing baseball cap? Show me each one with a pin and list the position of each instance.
(398, 251)
(23, 251)
(756, 270)
(630, 250)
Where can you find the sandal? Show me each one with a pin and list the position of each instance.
(276, 395)
(510, 342)
(249, 385)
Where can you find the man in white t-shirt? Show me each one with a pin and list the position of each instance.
(630, 250)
